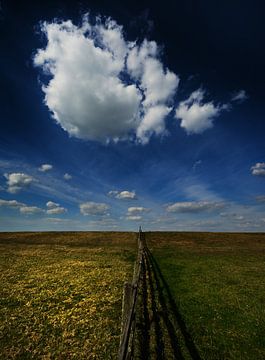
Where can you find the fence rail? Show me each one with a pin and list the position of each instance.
(130, 293)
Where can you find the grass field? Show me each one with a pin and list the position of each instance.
(61, 294)
(217, 282)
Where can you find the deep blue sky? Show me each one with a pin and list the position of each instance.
(183, 177)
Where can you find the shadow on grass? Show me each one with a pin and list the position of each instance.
(168, 305)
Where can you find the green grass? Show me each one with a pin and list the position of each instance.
(61, 294)
(217, 281)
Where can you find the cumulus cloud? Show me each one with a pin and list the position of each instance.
(30, 210)
(88, 95)
(93, 208)
(194, 206)
(23, 208)
(137, 210)
(240, 96)
(45, 167)
(18, 181)
(123, 195)
(54, 208)
(67, 176)
(258, 169)
(51, 204)
(13, 204)
(196, 115)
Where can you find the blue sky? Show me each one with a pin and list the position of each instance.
(114, 117)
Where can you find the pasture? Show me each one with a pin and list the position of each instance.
(201, 295)
(61, 294)
(217, 283)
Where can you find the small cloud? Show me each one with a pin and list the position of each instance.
(93, 208)
(56, 211)
(30, 210)
(67, 176)
(51, 204)
(258, 169)
(113, 193)
(55, 208)
(123, 195)
(240, 96)
(194, 206)
(45, 167)
(134, 217)
(136, 210)
(13, 204)
(195, 115)
(17, 181)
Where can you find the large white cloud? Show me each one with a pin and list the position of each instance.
(195, 115)
(18, 181)
(88, 94)
(258, 169)
(93, 208)
(194, 206)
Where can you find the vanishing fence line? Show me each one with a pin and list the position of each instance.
(130, 293)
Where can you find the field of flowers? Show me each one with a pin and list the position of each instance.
(61, 294)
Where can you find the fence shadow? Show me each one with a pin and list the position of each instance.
(151, 321)
(169, 306)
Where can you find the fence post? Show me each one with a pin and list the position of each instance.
(126, 303)
(129, 305)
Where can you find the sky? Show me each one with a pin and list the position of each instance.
(120, 114)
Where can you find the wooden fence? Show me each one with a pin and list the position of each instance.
(130, 293)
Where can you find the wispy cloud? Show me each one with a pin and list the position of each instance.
(240, 96)
(134, 217)
(194, 207)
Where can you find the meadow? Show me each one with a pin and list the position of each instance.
(217, 283)
(61, 294)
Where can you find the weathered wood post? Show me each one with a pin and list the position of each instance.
(129, 305)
